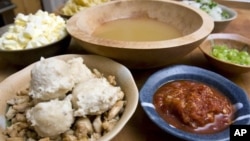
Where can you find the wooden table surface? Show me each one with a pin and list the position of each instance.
(140, 127)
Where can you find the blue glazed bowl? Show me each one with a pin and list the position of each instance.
(237, 96)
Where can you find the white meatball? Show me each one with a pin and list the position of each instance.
(51, 118)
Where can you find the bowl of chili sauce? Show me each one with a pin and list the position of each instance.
(193, 103)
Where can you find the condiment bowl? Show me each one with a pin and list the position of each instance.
(106, 66)
(194, 25)
(213, 8)
(231, 40)
(220, 25)
(233, 92)
(24, 57)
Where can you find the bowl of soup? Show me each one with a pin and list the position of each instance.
(193, 103)
(140, 34)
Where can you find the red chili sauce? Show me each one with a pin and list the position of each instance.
(193, 106)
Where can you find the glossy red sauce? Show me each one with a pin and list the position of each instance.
(193, 106)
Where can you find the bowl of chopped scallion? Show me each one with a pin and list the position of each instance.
(227, 52)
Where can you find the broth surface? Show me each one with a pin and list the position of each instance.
(137, 29)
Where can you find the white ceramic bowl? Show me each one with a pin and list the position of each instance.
(20, 80)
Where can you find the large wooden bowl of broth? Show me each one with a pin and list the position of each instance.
(140, 34)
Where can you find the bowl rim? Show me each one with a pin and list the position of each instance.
(226, 36)
(60, 12)
(6, 27)
(233, 14)
(204, 30)
(176, 72)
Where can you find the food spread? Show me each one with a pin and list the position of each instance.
(156, 131)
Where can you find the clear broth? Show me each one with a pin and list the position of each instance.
(137, 29)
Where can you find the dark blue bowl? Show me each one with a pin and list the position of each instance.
(237, 96)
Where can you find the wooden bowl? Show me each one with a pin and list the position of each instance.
(220, 25)
(123, 76)
(232, 41)
(194, 24)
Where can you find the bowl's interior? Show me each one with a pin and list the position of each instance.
(231, 12)
(179, 72)
(172, 15)
(184, 18)
(20, 80)
(232, 41)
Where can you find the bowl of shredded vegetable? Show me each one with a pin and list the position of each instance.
(221, 14)
(227, 52)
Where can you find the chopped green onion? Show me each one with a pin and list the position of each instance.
(232, 55)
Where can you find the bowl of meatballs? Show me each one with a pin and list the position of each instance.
(80, 97)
